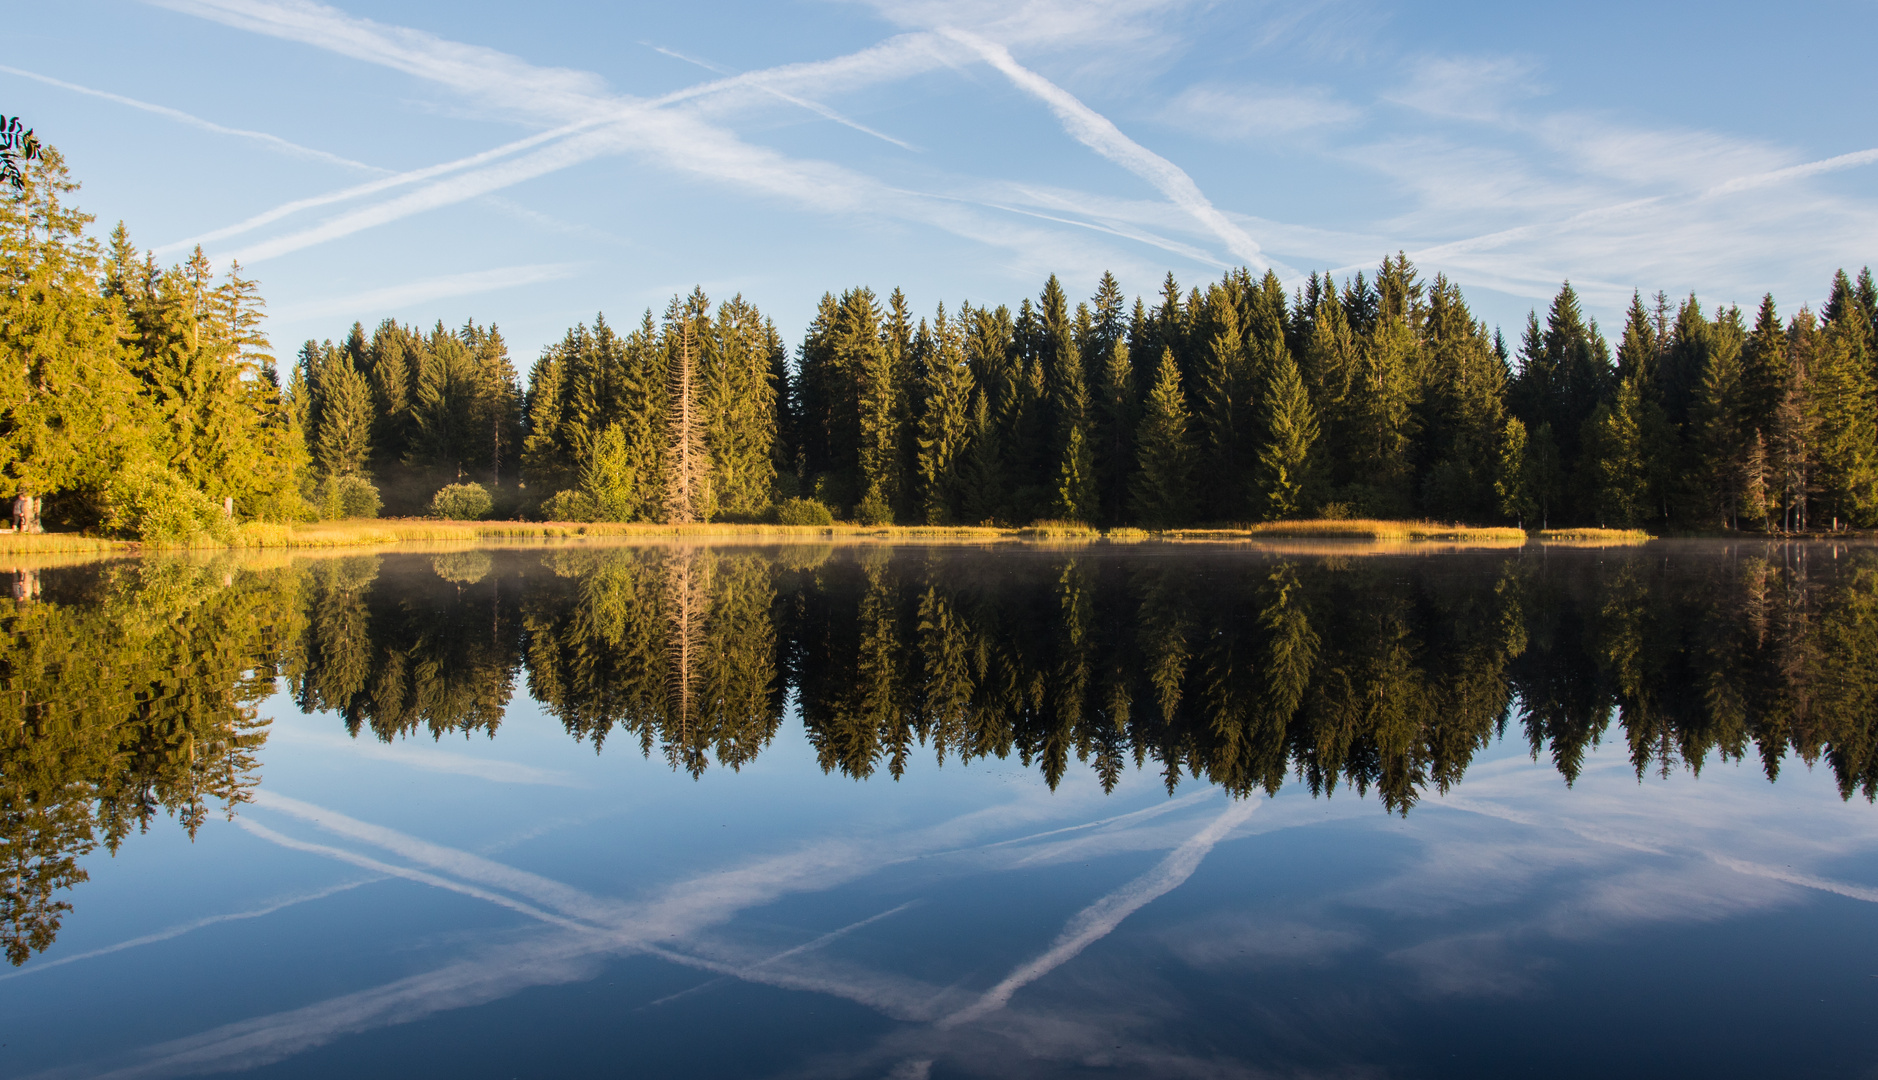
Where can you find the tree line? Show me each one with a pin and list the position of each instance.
(1380, 397)
(143, 401)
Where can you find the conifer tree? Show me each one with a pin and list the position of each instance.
(1163, 484)
(1763, 368)
(1513, 480)
(345, 433)
(1721, 433)
(1224, 380)
(1616, 453)
(1845, 400)
(687, 459)
(1074, 493)
(1795, 427)
(945, 422)
(737, 400)
(1285, 460)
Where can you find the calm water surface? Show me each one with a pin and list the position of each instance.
(943, 812)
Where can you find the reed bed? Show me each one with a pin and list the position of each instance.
(1357, 529)
(1594, 537)
(14, 543)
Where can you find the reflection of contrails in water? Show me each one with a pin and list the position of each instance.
(583, 930)
(1094, 922)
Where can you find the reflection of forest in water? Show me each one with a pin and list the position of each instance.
(131, 687)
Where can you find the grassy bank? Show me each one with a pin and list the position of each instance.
(1356, 529)
(396, 532)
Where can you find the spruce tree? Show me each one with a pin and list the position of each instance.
(1163, 484)
(1845, 401)
(1721, 434)
(945, 422)
(737, 402)
(1073, 488)
(1285, 460)
(345, 433)
(1513, 477)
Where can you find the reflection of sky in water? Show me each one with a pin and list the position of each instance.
(521, 906)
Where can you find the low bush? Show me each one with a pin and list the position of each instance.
(873, 511)
(570, 505)
(145, 501)
(348, 497)
(803, 512)
(461, 502)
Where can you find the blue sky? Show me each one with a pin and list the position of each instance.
(533, 164)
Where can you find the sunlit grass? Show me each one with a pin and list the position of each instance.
(13, 543)
(1594, 537)
(1358, 529)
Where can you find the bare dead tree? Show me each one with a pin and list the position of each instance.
(688, 471)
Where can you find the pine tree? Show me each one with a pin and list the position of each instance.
(1795, 427)
(1616, 453)
(1163, 486)
(1074, 493)
(945, 421)
(345, 432)
(1285, 460)
(1721, 433)
(1224, 381)
(737, 402)
(1845, 399)
(1513, 480)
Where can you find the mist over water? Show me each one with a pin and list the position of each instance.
(870, 810)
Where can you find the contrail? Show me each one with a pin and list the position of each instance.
(1094, 922)
(192, 120)
(183, 928)
(1098, 133)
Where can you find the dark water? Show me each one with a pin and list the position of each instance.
(871, 812)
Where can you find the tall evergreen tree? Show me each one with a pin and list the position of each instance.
(945, 421)
(1285, 470)
(1163, 484)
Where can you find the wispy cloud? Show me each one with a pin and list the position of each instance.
(1096, 921)
(1227, 112)
(272, 142)
(815, 107)
(1097, 132)
(178, 930)
(433, 758)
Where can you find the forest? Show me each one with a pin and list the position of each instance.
(136, 683)
(144, 401)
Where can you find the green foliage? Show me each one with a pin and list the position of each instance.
(572, 504)
(348, 497)
(461, 502)
(145, 501)
(611, 487)
(1285, 466)
(1163, 486)
(1383, 395)
(873, 510)
(803, 512)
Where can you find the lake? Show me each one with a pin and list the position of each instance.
(1300, 810)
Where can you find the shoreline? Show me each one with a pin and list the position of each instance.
(413, 532)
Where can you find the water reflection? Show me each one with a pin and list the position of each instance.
(130, 688)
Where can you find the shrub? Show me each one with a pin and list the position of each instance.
(461, 502)
(803, 512)
(873, 511)
(348, 497)
(570, 505)
(148, 502)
